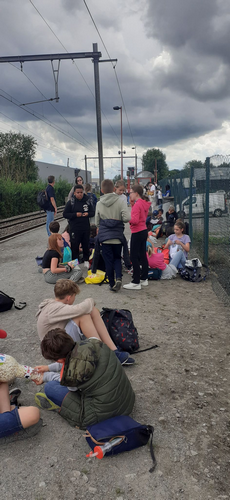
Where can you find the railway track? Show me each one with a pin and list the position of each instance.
(22, 223)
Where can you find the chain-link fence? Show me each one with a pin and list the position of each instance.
(201, 197)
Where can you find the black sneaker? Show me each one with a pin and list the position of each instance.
(23, 434)
(14, 395)
(117, 286)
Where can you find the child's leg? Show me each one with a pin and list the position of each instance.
(143, 257)
(4, 397)
(107, 253)
(117, 261)
(29, 415)
(135, 251)
(178, 260)
(92, 325)
(55, 392)
(85, 244)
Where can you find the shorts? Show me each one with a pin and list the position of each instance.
(10, 423)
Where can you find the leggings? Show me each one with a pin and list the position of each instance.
(138, 256)
(52, 278)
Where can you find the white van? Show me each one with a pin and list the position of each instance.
(217, 204)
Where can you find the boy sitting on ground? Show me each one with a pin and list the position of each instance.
(111, 213)
(61, 312)
(99, 388)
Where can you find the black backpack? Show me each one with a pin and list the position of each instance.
(119, 323)
(42, 199)
(6, 302)
(193, 272)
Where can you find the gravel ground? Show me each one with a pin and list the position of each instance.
(182, 388)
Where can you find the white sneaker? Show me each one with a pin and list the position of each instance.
(132, 286)
(86, 264)
(144, 282)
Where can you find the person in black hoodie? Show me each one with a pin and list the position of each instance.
(78, 211)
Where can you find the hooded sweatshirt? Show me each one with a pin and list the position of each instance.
(112, 207)
(138, 215)
(54, 314)
(70, 212)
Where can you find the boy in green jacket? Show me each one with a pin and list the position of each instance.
(98, 387)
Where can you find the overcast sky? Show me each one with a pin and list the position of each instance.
(173, 70)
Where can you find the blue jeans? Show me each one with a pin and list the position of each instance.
(10, 423)
(112, 256)
(55, 391)
(178, 260)
(49, 219)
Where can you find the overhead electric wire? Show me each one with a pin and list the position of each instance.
(39, 118)
(91, 92)
(114, 67)
(53, 106)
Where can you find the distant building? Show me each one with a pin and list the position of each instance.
(67, 173)
(144, 177)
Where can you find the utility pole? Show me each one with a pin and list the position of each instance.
(86, 171)
(95, 56)
(98, 114)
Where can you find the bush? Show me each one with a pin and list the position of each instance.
(21, 198)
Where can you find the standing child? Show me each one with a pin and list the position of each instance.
(138, 239)
(78, 212)
(111, 213)
(120, 190)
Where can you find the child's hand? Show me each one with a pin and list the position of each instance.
(39, 380)
(41, 368)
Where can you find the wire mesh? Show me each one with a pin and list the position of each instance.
(201, 197)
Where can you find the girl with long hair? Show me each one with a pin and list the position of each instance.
(52, 268)
(139, 236)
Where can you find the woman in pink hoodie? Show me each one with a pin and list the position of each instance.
(138, 239)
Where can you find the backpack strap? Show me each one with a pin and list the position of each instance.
(147, 349)
(5, 294)
(151, 430)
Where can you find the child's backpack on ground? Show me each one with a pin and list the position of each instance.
(119, 323)
(6, 303)
(154, 274)
(193, 271)
(42, 199)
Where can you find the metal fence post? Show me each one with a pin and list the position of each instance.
(190, 205)
(206, 212)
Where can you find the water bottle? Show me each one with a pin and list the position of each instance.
(100, 451)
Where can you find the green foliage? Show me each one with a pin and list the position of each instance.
(21, 198)
(17, 153)
(174, 173)
(148, 162)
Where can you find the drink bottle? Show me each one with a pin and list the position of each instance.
(100, 451)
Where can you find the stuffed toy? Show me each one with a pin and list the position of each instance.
(10, 369)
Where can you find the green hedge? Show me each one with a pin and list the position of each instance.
(20, 198)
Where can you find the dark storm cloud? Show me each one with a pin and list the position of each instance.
(197, 35)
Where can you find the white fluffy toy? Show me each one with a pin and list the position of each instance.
(10, 369)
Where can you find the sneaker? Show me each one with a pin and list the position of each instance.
(23, 434)
(124, 357)
(132, 286)
(144, 282)
(14, 395)
(43, 402)
(117, 286)
(86, 264)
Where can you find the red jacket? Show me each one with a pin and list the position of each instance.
(139, 214)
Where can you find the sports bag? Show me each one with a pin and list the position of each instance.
(192, 271)
(119, 323)
(132, 435)
(6, 302)
(42, 199)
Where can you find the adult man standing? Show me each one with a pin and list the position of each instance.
(78, 211)
(51, 209)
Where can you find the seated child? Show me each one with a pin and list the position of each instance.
(99, 387)
(179, 244)
(156, 261)
(66, 236)
(16, 423)
(61, 312)
(54, 227)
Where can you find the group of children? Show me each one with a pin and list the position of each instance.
(85, 360)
